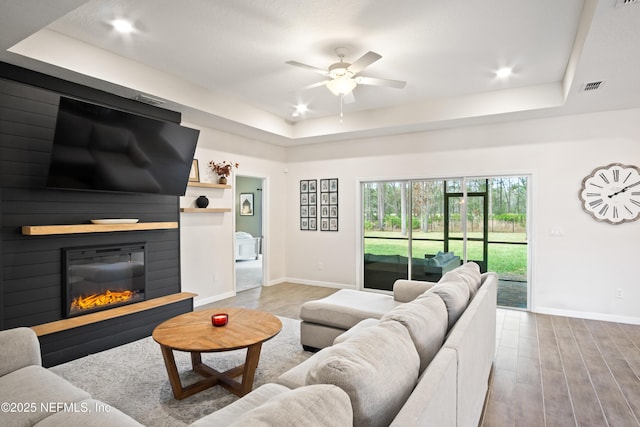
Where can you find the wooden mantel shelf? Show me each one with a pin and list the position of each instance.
(208, 185)
(87, 319)
(44, 230)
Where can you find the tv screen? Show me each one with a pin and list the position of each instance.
(103, 149)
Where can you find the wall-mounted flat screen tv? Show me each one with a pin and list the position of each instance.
(97, 148)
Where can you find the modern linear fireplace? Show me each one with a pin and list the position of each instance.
(103, 277)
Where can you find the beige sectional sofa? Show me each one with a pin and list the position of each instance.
(425, 361)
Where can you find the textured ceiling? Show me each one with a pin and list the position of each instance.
(223, 63)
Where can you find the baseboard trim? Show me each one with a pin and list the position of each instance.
(204, 301)
(587, 315)
(312, 283)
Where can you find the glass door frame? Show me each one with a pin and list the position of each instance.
(530, 180)
(464, 195)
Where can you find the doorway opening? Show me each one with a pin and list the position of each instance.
(248, 238)
(420, 229)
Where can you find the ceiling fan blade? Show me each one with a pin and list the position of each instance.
(349, 98)
(308, 67)
(380, 82)
(311, 86)
(364, 61)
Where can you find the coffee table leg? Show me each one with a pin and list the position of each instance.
(172, 371)
(196, 359)
(250, 366)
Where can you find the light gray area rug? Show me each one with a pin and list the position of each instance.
(133, 377)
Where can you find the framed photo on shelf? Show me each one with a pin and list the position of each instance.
(308, 204)
(329, 204)
(246, 204)
(194, 174)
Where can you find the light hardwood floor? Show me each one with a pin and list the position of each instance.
(548, 370)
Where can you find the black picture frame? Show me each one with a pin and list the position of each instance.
(329, 204)
(308, 204)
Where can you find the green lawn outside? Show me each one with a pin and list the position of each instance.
(509, 261)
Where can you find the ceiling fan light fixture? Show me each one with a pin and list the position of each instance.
(341, 85)
(340, 69)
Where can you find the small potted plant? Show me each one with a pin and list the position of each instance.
(223, 170)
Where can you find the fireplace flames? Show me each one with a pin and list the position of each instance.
(99, 300)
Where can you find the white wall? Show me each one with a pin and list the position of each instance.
(575, 274)
(206, 240)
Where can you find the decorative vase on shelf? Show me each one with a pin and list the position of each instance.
(222, 179)
(202, 202)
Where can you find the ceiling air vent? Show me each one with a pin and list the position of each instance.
(592, 86)
(148, 100)
(626, 2)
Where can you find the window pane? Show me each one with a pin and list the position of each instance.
(386, 237)
(427, 227)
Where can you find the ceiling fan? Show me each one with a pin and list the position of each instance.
(343, 77)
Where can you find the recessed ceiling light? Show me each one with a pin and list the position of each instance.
(503, 72)
(301, 108)
(122, 26)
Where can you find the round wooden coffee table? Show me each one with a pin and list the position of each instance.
(192, 332)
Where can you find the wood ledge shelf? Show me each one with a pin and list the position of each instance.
(87, 319)
(208, 185)
(45, 230)
(205, 210)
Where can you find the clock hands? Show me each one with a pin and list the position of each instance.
(623, 190)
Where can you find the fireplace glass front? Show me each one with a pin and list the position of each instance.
(98, 278)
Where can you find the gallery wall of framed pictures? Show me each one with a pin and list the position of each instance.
(326, 195)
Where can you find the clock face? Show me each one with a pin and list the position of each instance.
(612, 193)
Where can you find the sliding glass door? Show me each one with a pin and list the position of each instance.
(420, 229)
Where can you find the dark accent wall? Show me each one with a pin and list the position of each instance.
(30, 266)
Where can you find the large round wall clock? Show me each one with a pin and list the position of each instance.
(612, 193)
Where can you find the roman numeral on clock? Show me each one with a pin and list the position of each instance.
(625, 180)
(635, 202)
(604, 177)
(615, 212)
(604, 210)
(596, 203)
(616, 175)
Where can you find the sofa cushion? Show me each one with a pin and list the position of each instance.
(354, 330)
(426, 319)
(20, 348)
(35, 385)
(230, 413)
(311, 406)
(469, 273)
(455, 294)
(377, 368)
(345, 308)
(408, 290)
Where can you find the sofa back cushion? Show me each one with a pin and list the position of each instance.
(455, 294)
(314, 405)
(427, 320)
(377, 367)
(469, 273)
